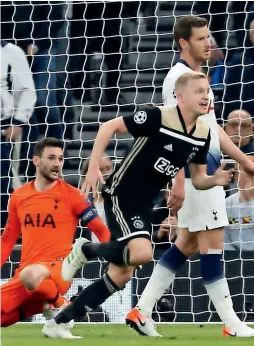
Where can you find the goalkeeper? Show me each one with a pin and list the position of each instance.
(203, 215)
(46, 211)
(166, 138)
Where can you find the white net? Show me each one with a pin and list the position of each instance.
(92, 61)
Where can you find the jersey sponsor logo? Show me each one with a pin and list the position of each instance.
(164, 166)
(39, 220)
(169, 147)
(140, 117)
(137, 223)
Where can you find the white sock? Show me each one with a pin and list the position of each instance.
(219, 294)
(160, 280)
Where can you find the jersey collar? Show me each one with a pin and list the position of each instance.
(183, 123)
(184, 63)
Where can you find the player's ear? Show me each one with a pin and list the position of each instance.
(182, 43)
(35, 160)
(179, 97)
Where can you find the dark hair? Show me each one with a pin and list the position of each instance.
(47, 142)
(184, 25)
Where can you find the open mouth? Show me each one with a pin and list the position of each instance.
(204, 104)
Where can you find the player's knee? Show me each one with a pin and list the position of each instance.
(187, 243)
(142, 256)
(140, 251)
(211, 239)
(120, 275)
(191, 249)
(29, 279)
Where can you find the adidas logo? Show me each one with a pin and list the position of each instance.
(169, 147)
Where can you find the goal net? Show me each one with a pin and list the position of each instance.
(93, 61)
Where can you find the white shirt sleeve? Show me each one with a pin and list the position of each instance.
(24, 94)
(168, 92)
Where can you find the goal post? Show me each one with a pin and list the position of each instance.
(94, 61)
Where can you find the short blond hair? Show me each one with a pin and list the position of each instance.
(186, 77)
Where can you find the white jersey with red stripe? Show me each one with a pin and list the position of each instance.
(169, 99)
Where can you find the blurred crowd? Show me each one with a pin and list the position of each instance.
(77, 51)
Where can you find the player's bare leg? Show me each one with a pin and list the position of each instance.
(123, 259)
(138, 251)
(36, 279)
(162, 277)
(92, 296)
(211, 243)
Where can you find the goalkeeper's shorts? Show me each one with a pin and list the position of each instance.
(14, 295)
(125, 219)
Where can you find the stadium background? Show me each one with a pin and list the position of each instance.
(108, 59)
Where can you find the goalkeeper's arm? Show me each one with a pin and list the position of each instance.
(89, 218)
(11, 232)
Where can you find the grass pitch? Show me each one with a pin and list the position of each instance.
(120, 335)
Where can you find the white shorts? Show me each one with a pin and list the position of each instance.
(203, 209)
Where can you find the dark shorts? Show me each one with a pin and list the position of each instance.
(125, 219)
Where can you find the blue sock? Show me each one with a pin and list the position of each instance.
(211, 267)
(173, 259)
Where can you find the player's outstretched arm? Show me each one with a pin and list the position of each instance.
(105, 133)
(230, 149)
(202, 181)
(11, 232)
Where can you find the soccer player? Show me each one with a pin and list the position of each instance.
(165, 139)
(46, 212)
(17, 102)
(203, 214)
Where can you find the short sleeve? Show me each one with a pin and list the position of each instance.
(201, 157)
(143, 123)
(168, 92)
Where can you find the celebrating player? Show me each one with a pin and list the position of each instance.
(203, 215)
(46, 211)
(165, 139)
